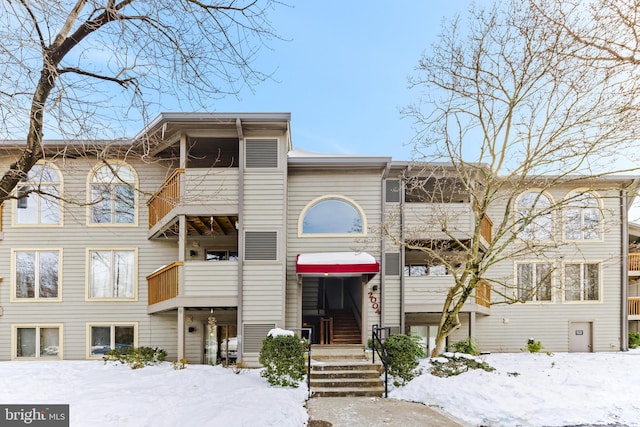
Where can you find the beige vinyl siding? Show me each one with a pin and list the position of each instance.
(360, 187)
(427, 220)
(263, 292)
(75, 237)
(391, 301)
(264, 210)
(211, 278)
(209, 187)
(264, 200)
(509, 326)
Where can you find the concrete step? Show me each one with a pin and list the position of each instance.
(348, 392)
(345, 373)
(345, 382)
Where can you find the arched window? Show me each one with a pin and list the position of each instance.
(332, 215)
(39, 196)
(535, 218)
(582, 217)
(113, 198)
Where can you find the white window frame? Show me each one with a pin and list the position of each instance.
(37, 327)
(328, 197)
(88, 296)
(90, 201)
(428, 269)
(581, 216)
(536, 227)
(14, 276)
(112, 326)
(39, 199)
(582, 290)
(552, 284)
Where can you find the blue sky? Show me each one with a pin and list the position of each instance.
(343, 74)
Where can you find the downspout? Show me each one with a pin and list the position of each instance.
(240, 229)
(624, 327)
(182, 244)
(383, 240)
(402, 250)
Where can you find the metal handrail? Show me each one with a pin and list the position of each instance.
(379, 347)
(310, 332)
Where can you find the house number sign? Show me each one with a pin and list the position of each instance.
(374, 302)
(579, 332)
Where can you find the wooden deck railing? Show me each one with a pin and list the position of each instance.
(326, 330)
(634, 262)
(163, 284)
(634, 306)
(165, 199)
(483, 294)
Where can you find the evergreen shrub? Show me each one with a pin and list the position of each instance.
(404, 352)
(136, 358)
(283, 360)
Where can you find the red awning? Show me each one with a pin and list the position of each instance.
(337, 264)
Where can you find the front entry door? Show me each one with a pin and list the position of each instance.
(580, 337)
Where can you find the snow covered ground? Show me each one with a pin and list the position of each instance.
(538, 390)
(102, 395)
(525, 390)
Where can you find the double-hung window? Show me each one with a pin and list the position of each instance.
(37, 341)
(533, 281)
(36, 275)
(582, 282)
(112, 274)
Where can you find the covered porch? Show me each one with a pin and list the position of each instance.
(332, 295)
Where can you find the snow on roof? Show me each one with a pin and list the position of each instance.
(341, 258)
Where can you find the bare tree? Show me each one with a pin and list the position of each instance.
(512, 113)
(82, 70)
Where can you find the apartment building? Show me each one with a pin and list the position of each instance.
(207, 226)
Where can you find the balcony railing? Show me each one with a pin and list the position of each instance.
(634, 306)
(165, 199)
(483, 294)
(634, 263)
(163, 284)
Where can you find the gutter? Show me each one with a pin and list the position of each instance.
(240, 230)
(624, 273)
(383, 240)
(402, 254)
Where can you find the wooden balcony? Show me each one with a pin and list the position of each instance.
(634, 264)
(440, 221)
(163, 283)
(483, 294)
(204, 284)
(426, 294)
(165, 199)
(634, 308)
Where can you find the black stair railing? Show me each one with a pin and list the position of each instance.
(378, 335)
